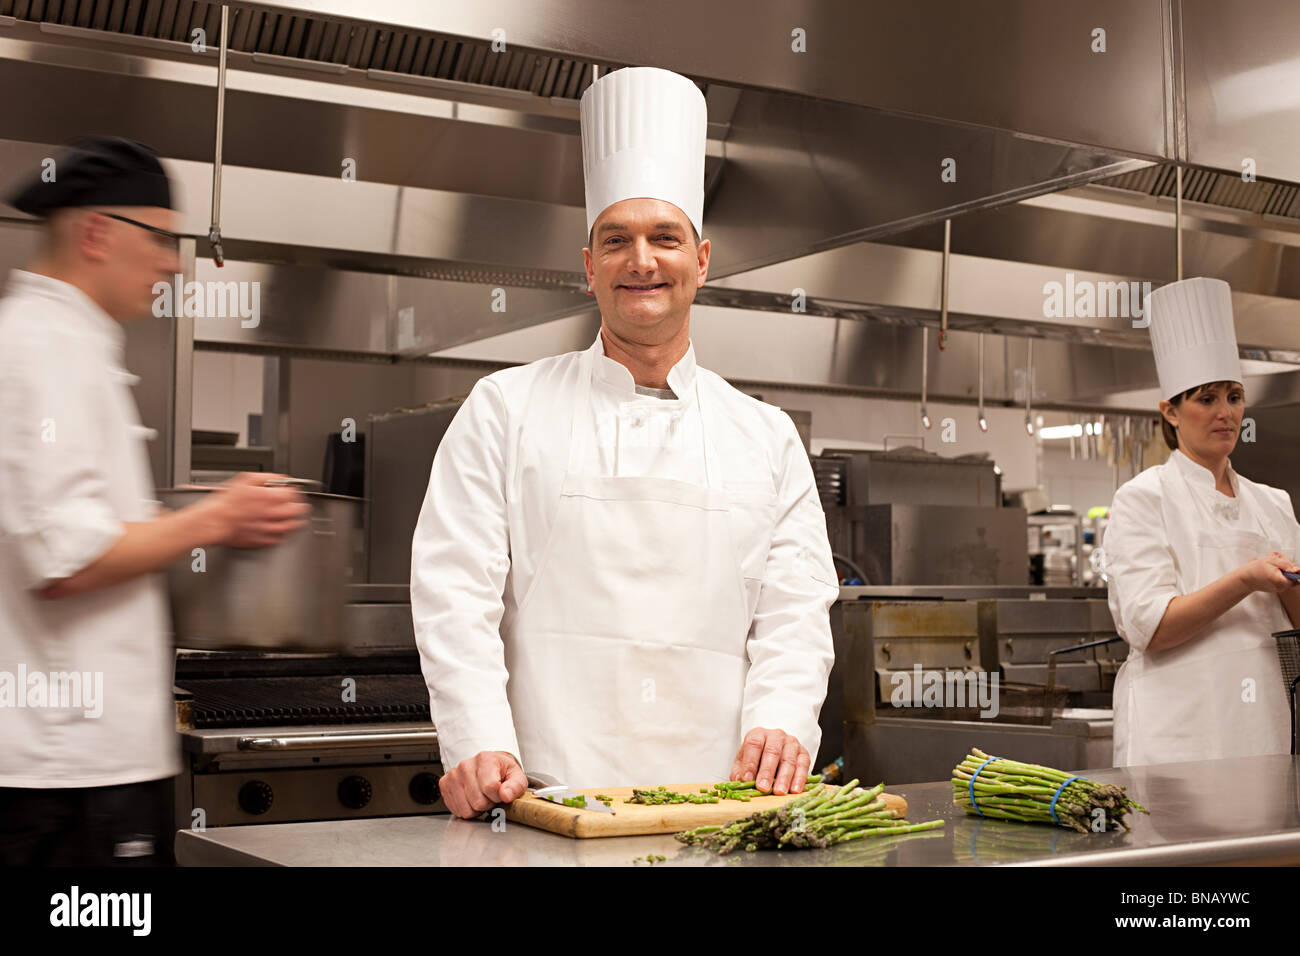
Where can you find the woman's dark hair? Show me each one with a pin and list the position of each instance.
(1169, 431)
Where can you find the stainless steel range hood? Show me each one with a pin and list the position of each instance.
(824, 167)
(788, 174)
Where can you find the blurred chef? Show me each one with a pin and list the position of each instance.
(621, 573)
(84, 760)
(1194, 555)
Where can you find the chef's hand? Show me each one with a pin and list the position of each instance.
(1265, 574)
(245, 513)
(772, 756)
(481, 782)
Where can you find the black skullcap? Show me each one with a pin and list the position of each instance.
(97, 171)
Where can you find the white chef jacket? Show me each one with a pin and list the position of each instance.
(73, 469)
(1147, 558)
(492, 495)
(1170, 533)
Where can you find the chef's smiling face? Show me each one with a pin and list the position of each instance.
(644, 266)
(1209, 421)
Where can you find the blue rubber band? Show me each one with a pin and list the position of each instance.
(1057, 796)
(972, 784)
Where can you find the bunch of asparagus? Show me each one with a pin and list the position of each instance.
(742, 790)
(825, 816)
(1008, 790)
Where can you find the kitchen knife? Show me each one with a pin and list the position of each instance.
(548, 788)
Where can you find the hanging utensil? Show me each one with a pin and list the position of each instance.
(214, 231)
(925, 365)
(1029, 386)
(943, 323)
(983, 422)
(943, 292)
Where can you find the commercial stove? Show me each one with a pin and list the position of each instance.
(281, 737)
(1051, 705)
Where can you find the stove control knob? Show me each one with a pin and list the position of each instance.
(256, 797)
(355, 792)
(424, 788)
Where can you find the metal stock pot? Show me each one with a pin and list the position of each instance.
(288, 597)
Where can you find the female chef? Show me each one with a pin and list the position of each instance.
(1194, 554)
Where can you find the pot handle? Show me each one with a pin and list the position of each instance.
(296, 482)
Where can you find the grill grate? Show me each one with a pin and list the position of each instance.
(273, 701)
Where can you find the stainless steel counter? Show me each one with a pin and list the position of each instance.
(1208, 812)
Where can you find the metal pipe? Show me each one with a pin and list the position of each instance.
(925, 376)
(214, 231)
(943, 321)
(1178, 219)
(852, 566)
(1029, 387)
(943, 292)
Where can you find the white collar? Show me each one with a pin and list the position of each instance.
(681, 377)
(1200, 476)
(85, 311)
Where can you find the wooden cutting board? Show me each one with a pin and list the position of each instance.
(634, 819)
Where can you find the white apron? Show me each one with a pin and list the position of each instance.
(627, 655)
(1192, 702)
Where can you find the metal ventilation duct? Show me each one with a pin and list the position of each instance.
(1212, 188)
(469, 166)
(361, 46)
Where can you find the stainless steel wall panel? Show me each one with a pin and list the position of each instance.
(942, 544)
(1242, 73)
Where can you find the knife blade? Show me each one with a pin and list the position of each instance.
(548, 788)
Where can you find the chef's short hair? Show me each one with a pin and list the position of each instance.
(591, 236)
(1169, 431)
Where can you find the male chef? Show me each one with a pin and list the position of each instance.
(621, 573)
(87, 729)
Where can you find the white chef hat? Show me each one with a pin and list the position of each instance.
(643, 135)
(1192, 336)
